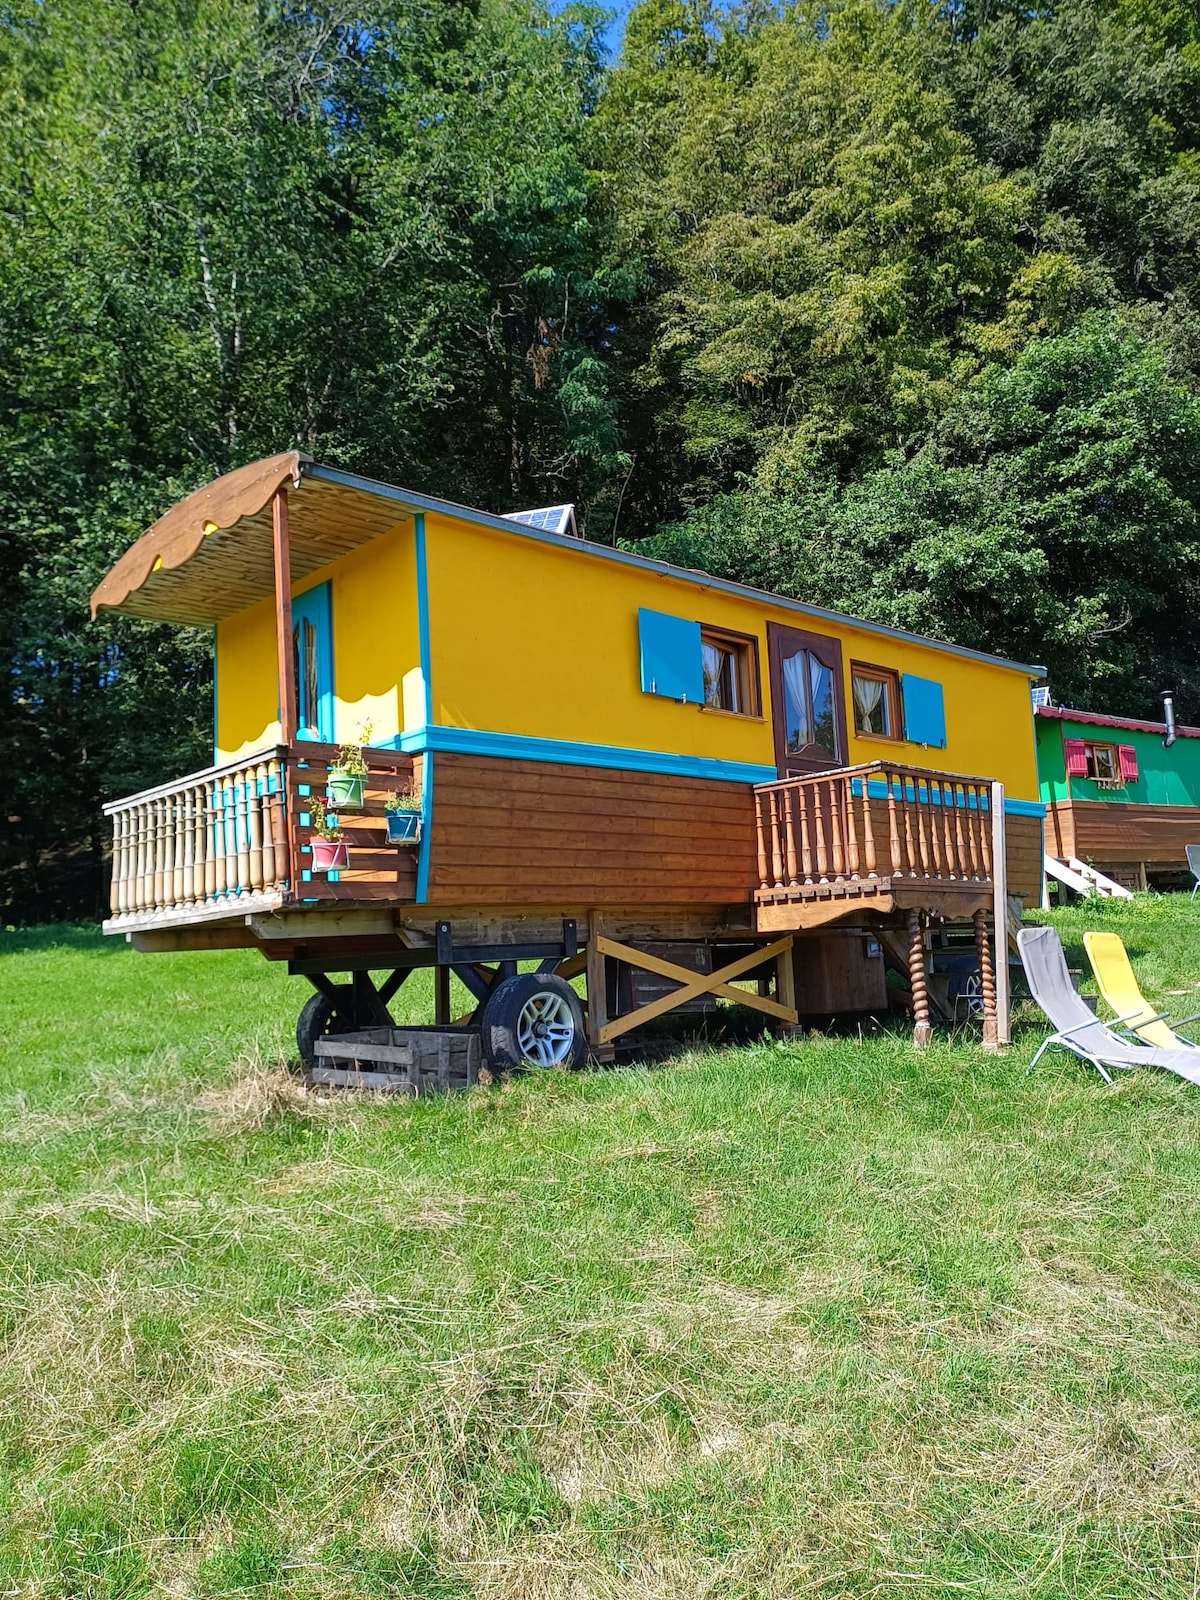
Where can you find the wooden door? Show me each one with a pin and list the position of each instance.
(808, 702)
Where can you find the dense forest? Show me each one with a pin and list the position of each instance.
(894, 307)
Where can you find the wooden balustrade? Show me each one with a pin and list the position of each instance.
(873, 822)
(205, 840)
(242, 834)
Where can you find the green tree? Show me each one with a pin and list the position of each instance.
(1054, 517)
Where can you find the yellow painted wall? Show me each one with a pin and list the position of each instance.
(375, 645)
(530, 639)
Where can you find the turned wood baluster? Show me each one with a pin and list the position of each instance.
(226, 870)
(806, 855)
(211, 855)
(179, 882)
(922, 1032)
(776, 853)
(185, 862)
(868, 822)
(277, 778)
(893, 824)
(948, 828)
(833, 790)
(789, 836)
(114, 888)
(964, 865)
(229, 829)
(852, 857)
(922, 829)
(199, 841)
(139, 860)
(254, 787)
(241, 814)
(160, 855)
(268, 835)
(762, 843)
(985, 832)
(987, 979)
(906, 806)
(972, 815)
(936, 809)
(819, 829)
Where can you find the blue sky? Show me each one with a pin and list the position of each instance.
(617, 26)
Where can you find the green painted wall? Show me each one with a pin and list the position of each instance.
(1165, 777)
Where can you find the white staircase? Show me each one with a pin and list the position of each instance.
(1085, 879)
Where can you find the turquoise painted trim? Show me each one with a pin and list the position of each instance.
(518, 747)
(316, 606)
(1012, 808)
(216, 707)
(425, 844)
(423, 640)
(485, 519)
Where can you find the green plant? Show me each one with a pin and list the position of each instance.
(350, 758)
(407, 800)
(321, 825)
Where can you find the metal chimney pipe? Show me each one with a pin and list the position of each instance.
(1168, 700)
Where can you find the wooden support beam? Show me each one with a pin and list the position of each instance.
(691, 984)
(441, 996)
(1000, 914)
(785, 983)
(283, 617)
(922, 1030)
(597, 994)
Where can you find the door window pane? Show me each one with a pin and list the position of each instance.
(304, 661)
(797, 709)
(823, 721)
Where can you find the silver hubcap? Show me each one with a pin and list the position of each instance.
(545, 1029)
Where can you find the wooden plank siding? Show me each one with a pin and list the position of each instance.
(1093, 830)
(509, 832)
(1023, 836)
(377, 870)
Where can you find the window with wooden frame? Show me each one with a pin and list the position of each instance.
(876, 695)
(730, 671)
(1102, 763)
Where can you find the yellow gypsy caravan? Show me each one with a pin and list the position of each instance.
(613, 756)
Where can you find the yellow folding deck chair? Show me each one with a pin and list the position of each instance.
(1119, 986)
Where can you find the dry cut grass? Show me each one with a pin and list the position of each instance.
(829, 1319)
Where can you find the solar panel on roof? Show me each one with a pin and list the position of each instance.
(553, 519)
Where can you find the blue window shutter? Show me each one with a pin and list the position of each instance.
(672, 664)
(924, 711)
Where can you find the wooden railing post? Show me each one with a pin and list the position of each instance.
(922, 1031)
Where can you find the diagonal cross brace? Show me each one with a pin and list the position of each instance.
(693, 984)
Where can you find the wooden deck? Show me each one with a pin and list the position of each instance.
(875, 839)
(516, 842)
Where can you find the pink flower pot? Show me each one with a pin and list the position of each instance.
(328, 856)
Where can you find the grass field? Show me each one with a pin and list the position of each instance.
(824, 1319)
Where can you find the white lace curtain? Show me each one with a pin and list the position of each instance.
(868, 695)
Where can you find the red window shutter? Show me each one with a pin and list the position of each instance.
(1075, 751)
(1129, 767)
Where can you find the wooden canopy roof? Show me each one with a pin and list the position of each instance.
(211, 555)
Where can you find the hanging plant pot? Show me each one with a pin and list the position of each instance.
(404, 827)
(329, 855)
(345, 790)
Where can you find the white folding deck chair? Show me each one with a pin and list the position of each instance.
(1193, 861)
(1077, 1028)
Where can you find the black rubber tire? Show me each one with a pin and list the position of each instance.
(318, 1017)
(502, 1023)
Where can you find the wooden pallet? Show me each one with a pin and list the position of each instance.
(414, 1061)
